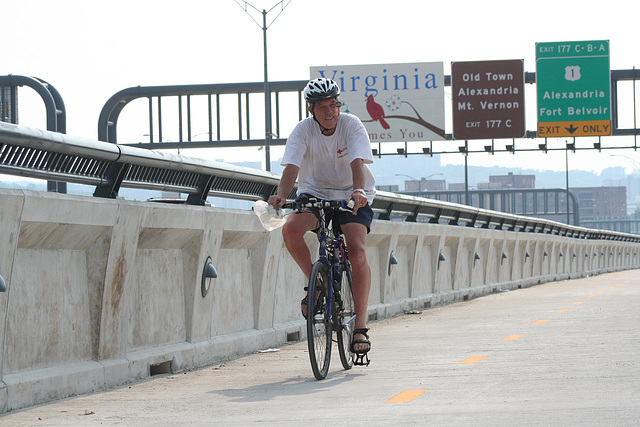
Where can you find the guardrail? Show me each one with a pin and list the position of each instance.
(42, 154)
(108, 120)
(56, 114)
(519, 201)
(54, 105)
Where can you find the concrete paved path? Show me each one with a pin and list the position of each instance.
(563, 353)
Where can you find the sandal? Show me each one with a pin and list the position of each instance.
(360, 357)
(318, 297)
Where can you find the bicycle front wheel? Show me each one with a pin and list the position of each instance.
(319, 320)
(345, 318)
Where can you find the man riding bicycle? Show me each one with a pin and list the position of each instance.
(328, 153)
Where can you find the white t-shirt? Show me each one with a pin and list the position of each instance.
(325, 161)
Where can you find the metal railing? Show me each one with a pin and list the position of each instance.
(631, 225)
(108, 119)
(42, 154)
(54, 105)
(520, 201)
(56, 114)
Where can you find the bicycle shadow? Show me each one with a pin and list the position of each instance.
(288, 387)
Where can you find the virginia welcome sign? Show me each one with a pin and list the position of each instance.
(396, 102)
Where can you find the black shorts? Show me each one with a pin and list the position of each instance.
(364, 216)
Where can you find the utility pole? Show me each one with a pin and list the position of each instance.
(566, 153)
(268, 134)
(466, 173)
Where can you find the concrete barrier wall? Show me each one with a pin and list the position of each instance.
(104, 292)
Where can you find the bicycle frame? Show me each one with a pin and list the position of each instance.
(333, 253)
(332, 267)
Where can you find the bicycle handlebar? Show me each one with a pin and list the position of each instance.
(312, 202)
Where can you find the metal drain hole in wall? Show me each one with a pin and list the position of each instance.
(293, 336)
(160, 368)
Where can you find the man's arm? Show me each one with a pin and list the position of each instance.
(287, 181)
(357, 172)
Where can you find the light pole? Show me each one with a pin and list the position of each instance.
(161, 138)
(635, 163)
(421, 179)
(466, 173)
(631, 183)
(267, 93)
(433, 174)
(411, 178)
(566, 154)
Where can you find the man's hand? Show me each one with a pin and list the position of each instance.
(359, 201)
(276, 201)
(287, 181)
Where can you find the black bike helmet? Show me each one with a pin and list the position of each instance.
(320, 89)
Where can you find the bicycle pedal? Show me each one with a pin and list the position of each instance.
(359, 359)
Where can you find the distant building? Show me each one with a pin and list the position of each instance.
(434, 185)
(632, 182)
(601, 203)
(512, 181)
(390, 188)
(415, 185)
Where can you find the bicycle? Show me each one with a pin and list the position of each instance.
(330, 304)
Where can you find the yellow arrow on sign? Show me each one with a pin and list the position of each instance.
(574, 128)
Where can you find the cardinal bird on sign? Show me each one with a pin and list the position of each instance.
(376, 112)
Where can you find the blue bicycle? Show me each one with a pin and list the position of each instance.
(330, 305)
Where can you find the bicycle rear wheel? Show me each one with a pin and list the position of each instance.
(319, 321)
(345, 319)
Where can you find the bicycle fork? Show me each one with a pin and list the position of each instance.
(338, 267)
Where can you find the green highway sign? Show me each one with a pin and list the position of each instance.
(573, 82)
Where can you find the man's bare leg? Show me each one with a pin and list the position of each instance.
(356, 235)
(293, 233)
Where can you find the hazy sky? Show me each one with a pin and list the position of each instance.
(90, 50)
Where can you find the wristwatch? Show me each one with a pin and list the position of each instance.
(361, 191)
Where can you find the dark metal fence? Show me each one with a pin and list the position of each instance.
(539, 202)
(55, 111)
(48, 155)
(108, 167)
(108, 120)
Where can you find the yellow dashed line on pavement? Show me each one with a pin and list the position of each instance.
(538, 322)
(473, 359)
(561, 311)
(406, 396)
(511, 337)
(591, 296)
(578, 303)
